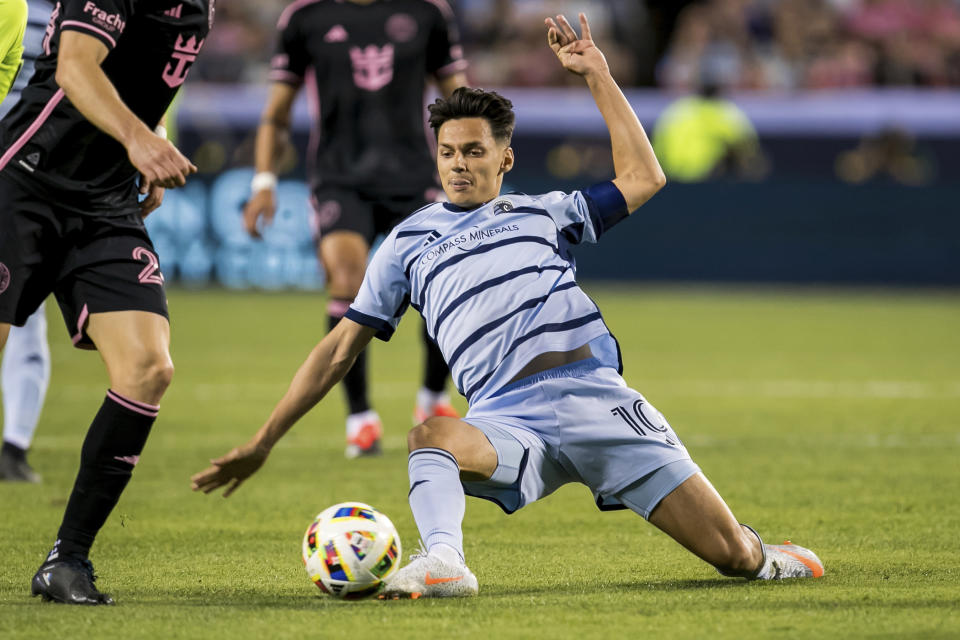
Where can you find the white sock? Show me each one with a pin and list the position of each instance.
(447, 553)
(427, 399)
(24, 378)
(437, 500)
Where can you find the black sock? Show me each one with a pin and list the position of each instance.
(13, 451)
(110, 451)
(355, 382)
(435, 370)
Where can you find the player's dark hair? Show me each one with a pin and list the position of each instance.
(475, 103)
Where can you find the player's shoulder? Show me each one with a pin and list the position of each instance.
(546, 199)
(419, 218)
(300, 9)
(420, 223)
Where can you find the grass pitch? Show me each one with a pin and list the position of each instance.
(831, 417)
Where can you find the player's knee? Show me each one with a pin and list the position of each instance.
(430, 434)
(152, 375)
(344, 279)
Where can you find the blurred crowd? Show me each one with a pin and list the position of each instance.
(676, 44)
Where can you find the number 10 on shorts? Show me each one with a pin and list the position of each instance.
(643, 418)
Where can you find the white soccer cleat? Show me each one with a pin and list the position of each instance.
(792, 561)
(428, 576)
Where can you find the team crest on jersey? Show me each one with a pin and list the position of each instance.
(372, 66)
(185, 52)
(502, 206)
(401, 27)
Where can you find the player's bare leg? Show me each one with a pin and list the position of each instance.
(443, 451)
(134, 346)
(343, 255)
(4, 332)
(696, 516)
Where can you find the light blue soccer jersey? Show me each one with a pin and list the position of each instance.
(494, 284)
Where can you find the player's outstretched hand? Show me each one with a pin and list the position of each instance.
(159, 162)
(232, 469)
(577, 54)
(262, 204)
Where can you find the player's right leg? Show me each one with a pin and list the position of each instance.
(344, 227)
(442, 452)
(343, 254)
(24, 378)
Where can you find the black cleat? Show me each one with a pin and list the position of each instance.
(14, 469)
(69, 581)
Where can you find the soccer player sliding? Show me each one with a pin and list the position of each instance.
(542, 376)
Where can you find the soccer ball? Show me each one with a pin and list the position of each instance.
(350, 549)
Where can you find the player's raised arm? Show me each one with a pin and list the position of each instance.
(638, 173)
(326, 365)
(89, 89)
(272, 134)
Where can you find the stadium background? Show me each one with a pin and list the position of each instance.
(855, 104)
(823, 412)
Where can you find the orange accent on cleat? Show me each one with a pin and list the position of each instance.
(415, 595)
(369, 433)
(445, 411)
(787, 542)
(439, 410)
(810, 564)
(428, 580)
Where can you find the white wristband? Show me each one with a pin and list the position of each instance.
(263, 181)
(161, 131)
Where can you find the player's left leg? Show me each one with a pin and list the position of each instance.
(134, 346)
(696, 516)
(626, 452)
(24, 378)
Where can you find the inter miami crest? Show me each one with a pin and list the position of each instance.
(502, 206)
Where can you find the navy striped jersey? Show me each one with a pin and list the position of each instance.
(494, 284)
(364, 68)
(38, 13)
(50, 149)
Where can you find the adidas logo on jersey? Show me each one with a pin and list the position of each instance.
(336, 34)
(175, 11)
(30, 161)
(431, 237)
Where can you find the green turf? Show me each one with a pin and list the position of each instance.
(828, 416)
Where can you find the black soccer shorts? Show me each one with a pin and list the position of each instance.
(342, 209)
(92, 264)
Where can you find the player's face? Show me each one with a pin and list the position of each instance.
(471, 162)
